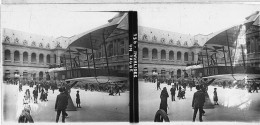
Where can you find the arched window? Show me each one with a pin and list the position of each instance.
(7, 75)
(178, 73)
(172, 74)
(41, 59)
(110, 50)
(186, 57)
(178, 55)
(33, 58)
(163, 72)
(163, 55)
(16, 72)
(48, 59)
(154, 54)
(154, 70)
(145, 53)
(16, 56)
(171, 55)
(192, 56)
(40, 75)
(55, 58)
(33, 76)
(7, 55)
(25, 57)
(145, 72)
(25, 75)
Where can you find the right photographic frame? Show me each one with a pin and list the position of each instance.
(199, 63)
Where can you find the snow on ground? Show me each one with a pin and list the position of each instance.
(234, 104)
(96, 106)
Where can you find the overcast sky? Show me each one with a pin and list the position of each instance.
(67, 20)
(52, 20)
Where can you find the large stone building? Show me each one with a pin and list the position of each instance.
(165, 53)
(29, 56)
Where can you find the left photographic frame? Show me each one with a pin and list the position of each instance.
(64, 65)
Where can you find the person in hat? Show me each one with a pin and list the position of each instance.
(198, 103)
(164, 96)
(78, 99)
(61, 105)
(173, 89)
(215, 97)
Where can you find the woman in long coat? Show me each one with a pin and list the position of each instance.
(215, 97)
(164, 96)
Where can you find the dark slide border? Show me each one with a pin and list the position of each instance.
(133, 67)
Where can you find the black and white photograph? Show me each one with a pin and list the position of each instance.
(199, 63)
(64, 64)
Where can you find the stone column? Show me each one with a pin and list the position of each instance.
(150, 54)
(12, 56)
(29, 58)
(167, 55)
(37, 58)
(159, 55)
(196, 57)
(182, 57)
(21, 58)
(175, 55)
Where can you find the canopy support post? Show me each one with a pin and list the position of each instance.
(87, 60)
(225, 57)
(104, 42)
(202, 63)
(71, 72)
(243, 56)
(229, 53)
(94, 64)
(208, 70)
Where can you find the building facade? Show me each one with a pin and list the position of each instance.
(30, 56)
(166, 54)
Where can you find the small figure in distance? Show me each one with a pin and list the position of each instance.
(78, 100)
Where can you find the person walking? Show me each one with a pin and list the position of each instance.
(180, 93)
(78, 100)
(158, 85)
(35, 95)
(215, 97)
(198, 103)
(173, 89)
(61, 105)
(164, 96)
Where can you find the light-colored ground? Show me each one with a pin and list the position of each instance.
(96, 106)
(234, 105)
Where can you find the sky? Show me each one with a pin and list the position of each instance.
(195, 18)
(52, 20)
(68, 20)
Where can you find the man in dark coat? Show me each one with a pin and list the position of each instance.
(61, 105)
(173, 89)
(35, 95)
(164, 95)
(198, 103)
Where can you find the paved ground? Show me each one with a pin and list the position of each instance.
(96, 106)
(235, 105)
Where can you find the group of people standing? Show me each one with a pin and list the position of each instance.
(198, 99)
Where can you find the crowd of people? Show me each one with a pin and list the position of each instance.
(197, 101)
(40, 90)
(250, 85)
(178, 87)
